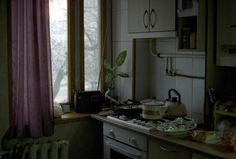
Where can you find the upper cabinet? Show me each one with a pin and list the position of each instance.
(191, 20)
(151, 18)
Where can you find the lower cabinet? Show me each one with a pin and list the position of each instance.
(163, 150)
(197, 155)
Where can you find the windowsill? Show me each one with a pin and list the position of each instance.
(71, 117)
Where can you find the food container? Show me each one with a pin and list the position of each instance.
(208, 137)
(180, 127)
(153, 110)
(228, 140)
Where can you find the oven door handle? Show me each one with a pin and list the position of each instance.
(124, 152)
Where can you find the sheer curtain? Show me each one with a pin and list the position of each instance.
(31, 86)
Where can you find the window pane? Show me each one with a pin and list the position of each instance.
(59, 49)
(92, 43)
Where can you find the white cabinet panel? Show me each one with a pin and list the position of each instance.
(151, 18)
(162, 15)
(138, 16)
(162, 150)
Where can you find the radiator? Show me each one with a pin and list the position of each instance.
(47, 150)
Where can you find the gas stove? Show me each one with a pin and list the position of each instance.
(164, 124)
(139, 122)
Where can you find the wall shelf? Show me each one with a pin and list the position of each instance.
(219, 114)
(223, 113)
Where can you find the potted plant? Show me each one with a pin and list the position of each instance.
(112, 72)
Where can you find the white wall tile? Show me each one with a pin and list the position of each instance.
(160, 83)
(119, 5)
(184, 66)
(124, 88)
(142, 70)
(198, 96)
(120, 26)
(142, 83)
(142, 58)
(166, 45)
(199, 67)
(184, 87)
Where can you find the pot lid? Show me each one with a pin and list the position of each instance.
(154, 103)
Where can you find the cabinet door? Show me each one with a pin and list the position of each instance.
(202, 156)
(164, 150)
(162, 15)
(138, 16)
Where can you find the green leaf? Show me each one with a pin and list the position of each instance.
(109, 78)
(122, 74)
(121, 58)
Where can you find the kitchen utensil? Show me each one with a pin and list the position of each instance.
(174, 106)
(129, 110)
(153, 110)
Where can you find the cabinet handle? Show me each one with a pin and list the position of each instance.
(132, 140)
(144, 15)
(166, 149)
(155, 16)
(111, 133)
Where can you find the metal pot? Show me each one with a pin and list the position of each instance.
(174, 106)
(153, 110)
(129, 110)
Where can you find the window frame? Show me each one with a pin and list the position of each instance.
(102, 43)
(72, 88)
(70, 62)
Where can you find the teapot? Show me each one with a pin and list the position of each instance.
(174, 106)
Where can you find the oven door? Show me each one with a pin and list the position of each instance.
(117, 150)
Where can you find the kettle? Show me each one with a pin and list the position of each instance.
(174, 106)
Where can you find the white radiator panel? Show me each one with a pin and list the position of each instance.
(50, 150)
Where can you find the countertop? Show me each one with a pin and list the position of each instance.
(214, 150)
(71, 117)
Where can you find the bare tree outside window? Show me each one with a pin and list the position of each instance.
(92, 43)
(59, 49)
(59, 46)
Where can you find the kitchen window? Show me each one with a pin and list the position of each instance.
(91, 53)
(92, 43)
(59, 49)
(64, 47)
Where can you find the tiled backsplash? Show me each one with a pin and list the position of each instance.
(150, 73)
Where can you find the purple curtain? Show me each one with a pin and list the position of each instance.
(31, 84)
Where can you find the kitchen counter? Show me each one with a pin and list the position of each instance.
(71, 117)
(213, 150)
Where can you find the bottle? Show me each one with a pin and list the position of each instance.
(192, 40)
(185, 37)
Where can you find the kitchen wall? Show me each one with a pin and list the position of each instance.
(151, 80)
(121, 41)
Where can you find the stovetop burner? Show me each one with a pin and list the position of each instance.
(137, 117)
(163, 124)
(137, 122)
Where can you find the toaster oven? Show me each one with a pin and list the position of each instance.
(88, 101)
